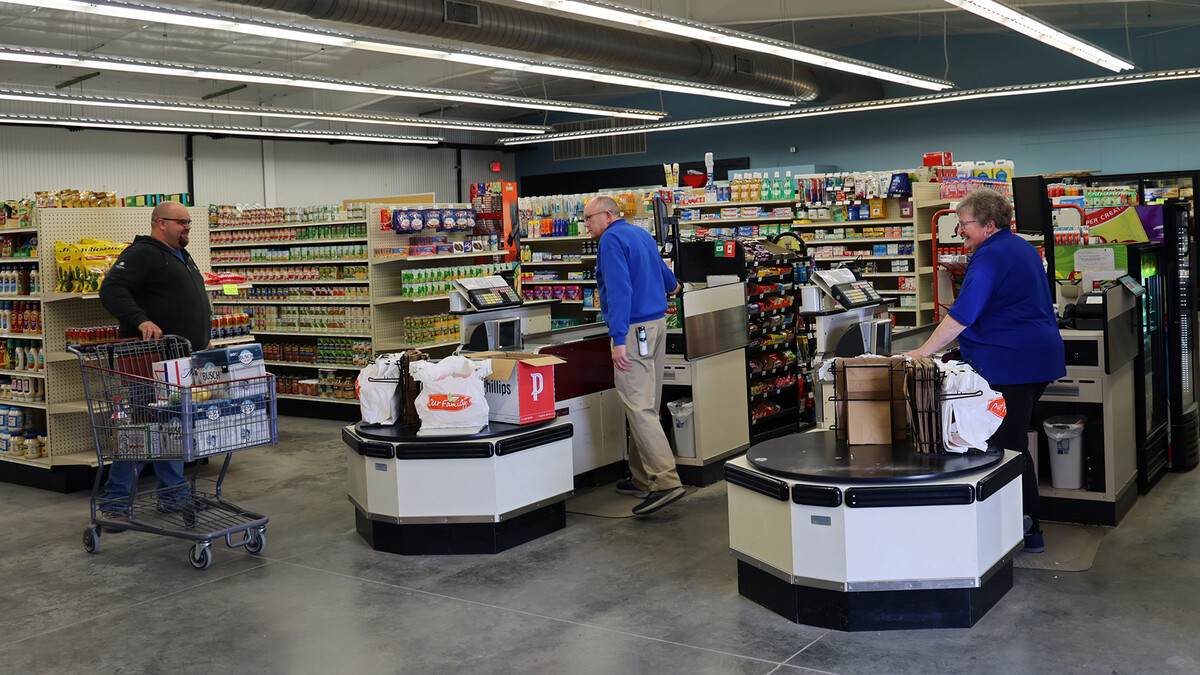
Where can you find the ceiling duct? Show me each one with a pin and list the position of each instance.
(591, 44)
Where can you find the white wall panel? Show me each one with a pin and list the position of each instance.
(228, 171)
(33, 159)
(477, 167)
(319, 173)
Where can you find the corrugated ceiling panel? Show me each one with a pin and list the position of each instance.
(33, 159)
(228, 171)
(319, 173)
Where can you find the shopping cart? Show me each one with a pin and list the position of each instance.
(138, 418)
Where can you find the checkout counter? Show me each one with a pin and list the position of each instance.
(809, 514)
(481, 491)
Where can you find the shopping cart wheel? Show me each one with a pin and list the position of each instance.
(256, 541)
(91, 540)
(200, 556)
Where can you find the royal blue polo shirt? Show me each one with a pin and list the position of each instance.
(1011, 334)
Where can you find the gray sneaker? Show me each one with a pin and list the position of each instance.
(625, 487)
(658, 499)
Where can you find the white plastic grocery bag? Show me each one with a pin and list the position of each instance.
(376, 386)
(451, 392)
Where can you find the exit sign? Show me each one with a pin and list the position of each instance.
(495, 167)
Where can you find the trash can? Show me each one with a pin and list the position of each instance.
(683, 428)
(1064, 435)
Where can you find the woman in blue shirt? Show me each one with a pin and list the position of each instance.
(1004, 321)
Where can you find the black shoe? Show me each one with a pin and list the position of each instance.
(112, 515)
(658, 499)
(1034, 543)
(625, 487)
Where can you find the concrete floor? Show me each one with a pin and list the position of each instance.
(650, 595)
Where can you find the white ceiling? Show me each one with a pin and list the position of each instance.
(823, 24)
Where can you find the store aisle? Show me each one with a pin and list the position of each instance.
(650, 595)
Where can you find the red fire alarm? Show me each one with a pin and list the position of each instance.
(495, 167)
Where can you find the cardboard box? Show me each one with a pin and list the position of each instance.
(871, 403)
(141, 441)
(520, 389)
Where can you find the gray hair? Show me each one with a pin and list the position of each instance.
(986, 204)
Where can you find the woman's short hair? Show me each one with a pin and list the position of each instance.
(986, 204)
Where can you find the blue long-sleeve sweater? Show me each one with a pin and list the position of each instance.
(632, 279)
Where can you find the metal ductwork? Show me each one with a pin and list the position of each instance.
(586, 43)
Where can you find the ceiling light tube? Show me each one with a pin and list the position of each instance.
(886, 104)
(192, 18)
(1043, 32)
(63, 98)
(93, 62)
(123, 125)
(674, 26)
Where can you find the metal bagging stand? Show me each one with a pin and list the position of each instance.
(138, 418)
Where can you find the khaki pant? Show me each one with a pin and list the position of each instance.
(650, 459)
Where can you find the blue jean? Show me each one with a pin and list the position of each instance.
(121, 476)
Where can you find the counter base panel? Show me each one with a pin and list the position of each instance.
(460, 538)
(707, 474)
(1088, 511)
(602, 475)
(874, 610)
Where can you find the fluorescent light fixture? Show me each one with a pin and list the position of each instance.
(241, 75)
(684, 28)
(65, 98)
(123, 125)
(191, 18)
(886, 104)
(1042, 32)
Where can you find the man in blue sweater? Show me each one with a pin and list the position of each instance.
(634, 282)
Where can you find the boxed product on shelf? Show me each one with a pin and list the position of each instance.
(908, 283)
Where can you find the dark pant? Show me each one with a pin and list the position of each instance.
(1012, 435)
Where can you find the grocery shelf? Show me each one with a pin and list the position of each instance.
(572, 302)
(401, 346)
(717, 221)
(277, 226)
(31, 297)
(577, 237)
(221, 287)
(383, 260)
(23, 336)
(860, 240)
(585, 282)
(19, 259)
(69, 407)
(731, 204)
(298, 364)
(870, 222)
(889, 274)
(17, 230)
(298, 261)
(235, 340)
(291, 242)
(865, 256)
(392, 299)
(329, 301)
(54, 297)
(539, 263)
(885, 291)
(41, 462)
(40, 374)
(334, 334)
(41, 405)
(318, 399)
(591, 309)
(310, 282)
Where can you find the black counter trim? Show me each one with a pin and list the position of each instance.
(756, 482)
(536, 438)
(443, 451)
(937, 495)
(812, 495)
(996, 480)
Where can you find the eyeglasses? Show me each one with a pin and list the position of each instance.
(968, 222)
(186, 222)
(587, 217)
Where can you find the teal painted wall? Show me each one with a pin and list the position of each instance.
(1148, 127)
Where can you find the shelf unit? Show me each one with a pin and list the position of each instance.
(390, 307)
(276, 338)
(69, 440)
(575, 245)
(920, 261)
(791, 398)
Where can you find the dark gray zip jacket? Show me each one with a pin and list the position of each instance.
(150, 283)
